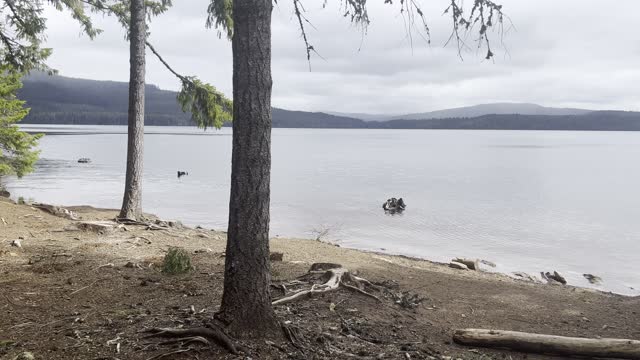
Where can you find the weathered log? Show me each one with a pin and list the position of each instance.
(472, 264)
(100, 227)
(525, 276)
(57, 211)
(554, 278)
(549, 344)
(458, 265)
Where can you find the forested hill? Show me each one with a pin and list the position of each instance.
(62, 100)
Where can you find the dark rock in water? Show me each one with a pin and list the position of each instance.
(182, 173)
(593, 278)
(394, 205)
(84, 160)
(4, 193)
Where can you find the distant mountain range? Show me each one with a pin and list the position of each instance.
(63, 100)
(497, 109)
(472, 111)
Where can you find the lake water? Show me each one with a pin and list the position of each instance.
(527, 200)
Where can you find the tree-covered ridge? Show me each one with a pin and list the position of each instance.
(62, 100)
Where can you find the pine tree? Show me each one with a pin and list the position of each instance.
(17, 148)
(132, 199)
(208, 107)
(246, 301)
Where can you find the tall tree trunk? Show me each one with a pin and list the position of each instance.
(132, 201)
(246, 301)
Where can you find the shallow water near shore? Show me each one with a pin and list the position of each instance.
(527, 200)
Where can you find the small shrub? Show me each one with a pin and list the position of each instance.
(21, 200)
(177, 261)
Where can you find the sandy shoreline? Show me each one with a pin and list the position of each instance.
(452, 298)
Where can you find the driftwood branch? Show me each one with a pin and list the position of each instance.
(549, 344)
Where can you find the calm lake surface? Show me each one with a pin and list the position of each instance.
(527, 200)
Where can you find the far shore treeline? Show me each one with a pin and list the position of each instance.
(62, 100)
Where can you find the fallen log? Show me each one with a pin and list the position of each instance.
(458, 265)
(57, 211)
(549, 344)
(100, 227)
(470, 263)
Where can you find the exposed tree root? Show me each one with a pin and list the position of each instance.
(187, 341)
(323, 277)
(201, 335)
(170, 353)
(333, 277)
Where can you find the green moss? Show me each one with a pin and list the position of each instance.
(177, 261)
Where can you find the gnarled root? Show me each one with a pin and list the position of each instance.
(333, 276)
(201, 335)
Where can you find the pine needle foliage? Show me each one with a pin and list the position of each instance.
(476, 17)
(23, 26)
(208, 106)
(220, 16)
(17, 148)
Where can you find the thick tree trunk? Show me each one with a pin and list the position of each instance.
(132, 201)
(246, 301)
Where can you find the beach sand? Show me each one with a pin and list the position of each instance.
(71, 294)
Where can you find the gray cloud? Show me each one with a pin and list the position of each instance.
(581, 53)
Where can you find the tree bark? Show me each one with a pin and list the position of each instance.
(132, 200)
(246, 301)
(549, 344)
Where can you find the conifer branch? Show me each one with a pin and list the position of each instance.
(484, 15)
(208, 106)
(153, 50)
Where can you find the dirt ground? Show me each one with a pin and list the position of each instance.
(72, 294)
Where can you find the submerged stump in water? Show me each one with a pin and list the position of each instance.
(394, 205)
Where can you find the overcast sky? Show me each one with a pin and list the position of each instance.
(569, 53)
